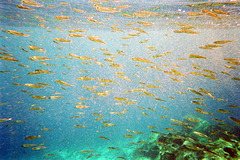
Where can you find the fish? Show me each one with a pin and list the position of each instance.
(5, 119)
(79, 126)
(46, 129)
(17, 33)
(193, 120)
(36, 108)
(152, 127)
(164, 116)
(104, 138)
(224, 111)
(39, 71)
(218, 120)
(42, 58)
(145, 114)
(63, 83)
(76, 30)
(94, 39)
(25, 7)
(78, 10)
(28, 145)
(194, 14)
(218, 11)
(62, 17)
(86, 151)
(194, 91)
(62, 40)
(186, 31)
(140, 30)
(233, 106)
(39, 147)
(122, 99)
(9, 59)
(237, 121)
(95, 21)
(170, 129)
(198, 103)
(90, 155)
(55, 97)
(76, 35)
(222, 41)
(204, 112)
(165, 109)
(137, 132)
(196, 56)
(81, 107)
(33, 137)
(48, 155)
(31, 3)
(128, 136)
(112, 148)
(200, 134)
(101, 8)
(33, 85)
(108, 125)
(39, 97)
(210, 13)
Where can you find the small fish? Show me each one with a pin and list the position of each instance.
(198, 103)
(94, 39)
(79, 126)
(78, 10)
(17, 33)
(29, 145)
(170, 129)
(201, 134)
(210, 13)
(128, 136)
(5, 119)
(86, 151)
(63, 83)
(224, 111)
(218, 11)
(204, 112)
(62, 17)
(193, 120)
(233, 106)
(38, 58)
(237, 121)
(218, 120)
(33, 137)
(164, 116)
(113, 148)
(145, 114)
(105, 9)
(46, 129)
(48, 155)
(62, 40)
(39, 147)
(152, 127)
(104, 138)
(33, 85)
(9, 59)
(196, 56)
(139, 59)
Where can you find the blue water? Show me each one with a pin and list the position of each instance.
(65, 141)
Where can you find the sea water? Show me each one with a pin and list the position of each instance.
(63, 140)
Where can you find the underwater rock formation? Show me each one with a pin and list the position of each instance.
(197, 141)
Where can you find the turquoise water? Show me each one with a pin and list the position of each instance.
(65, 141)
